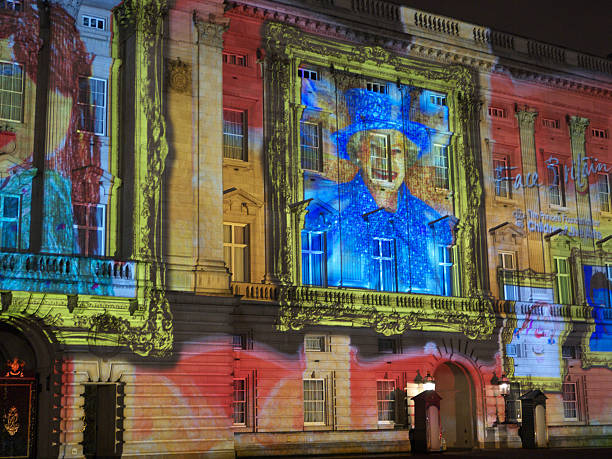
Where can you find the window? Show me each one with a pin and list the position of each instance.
(564, 289)
(550, 123)
(445, 263)
(14, 5)
(380, 88)
(236, 250)
(599, 133)
(89, 229)
(314, 343)
(385, 400)
(556, 188)
(380, 165)
(569, 351)
(239, 342)
(313, 258)
(240, 401)
(11, 91)
(92, 105)
(94, 22)
(440, 162)
(507, 265)
(387, 346)
(603, 192)
(513, 404)
(383, 257)
(501, 167)
(235, 59)
(234, 139)
(496, 112)
(437, 99)
(570, 401)
(9, 221)
(308, 74)
(310, 146)
(314, 401)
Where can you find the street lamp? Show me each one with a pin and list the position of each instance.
(429, 384)
(504, 385)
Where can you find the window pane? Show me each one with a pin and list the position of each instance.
(10, 207)
(9, 235)
(239, 234)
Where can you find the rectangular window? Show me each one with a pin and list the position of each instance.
(387, 346)
(380, 164)
(570, 402)
(236, 250)
(437, 99)
(599, 133)
(501, 168)
(383, 258)
(308, 74)
(508, 267)
(313, 258)
(550, 123)
(89, 224)
(440, 162)
(569, 351)
(310, 146)
(513, 404)
(11, 91)
(603, 192)
(564, 289)
(92, 105)
(239, 342)
(235, 59)
(496, 112)
(380, 88)
(9, 221)
(240, 401)
(14, 5)
(234, 138)
(314, 343)
(556, 187)
(445, 263)
(385, 400)
(314, 401)
(94, 22)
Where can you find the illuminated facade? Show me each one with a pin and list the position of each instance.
(257, 227)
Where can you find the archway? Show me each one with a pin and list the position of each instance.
(457, 407)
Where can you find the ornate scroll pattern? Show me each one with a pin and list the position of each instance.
(11, 420)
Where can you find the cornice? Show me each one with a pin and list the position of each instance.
(431, 45)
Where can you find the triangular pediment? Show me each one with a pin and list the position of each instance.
(506, 232)
(236, 200)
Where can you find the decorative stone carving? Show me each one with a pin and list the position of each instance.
(578, 125)
(179, 76)
(211, 32)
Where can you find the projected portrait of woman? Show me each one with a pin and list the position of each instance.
(599, 297)
(378, 235)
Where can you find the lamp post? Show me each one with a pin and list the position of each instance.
(429, 383)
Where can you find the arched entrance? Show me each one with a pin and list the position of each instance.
(457, 407)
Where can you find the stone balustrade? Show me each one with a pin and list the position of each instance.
(259, 292)
(67, 274)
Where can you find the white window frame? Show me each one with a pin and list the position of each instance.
(88, 228)
(311, 254)
(440, 163)
(380, 158)
(501, 171)
(93, 22)
(497, 112)
(235, 135)
(98, 107)
(604, 189)
(314, 398)
(379, 261)
(556, 186)
(308, 74)
(570, 403)
(380, 88)
(597, 133)
(240, 402)
(385, 401)
(240, 60)
(315, 343)
(563, 280)
(10, 220)
(551, 123)
(233, 253)
(310, 146)
(13, 96)
(445, 263)
(507, 263)
(437, 99)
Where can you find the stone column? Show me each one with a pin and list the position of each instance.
(531, 195)
(211, 275)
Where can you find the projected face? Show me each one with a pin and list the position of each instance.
(380, 156)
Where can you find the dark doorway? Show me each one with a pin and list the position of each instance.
(100, 437)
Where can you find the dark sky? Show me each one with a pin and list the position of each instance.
(581, 25)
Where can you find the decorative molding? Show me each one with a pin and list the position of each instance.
(210, 33)
(179, 76)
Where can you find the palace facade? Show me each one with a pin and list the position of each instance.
(259, 227)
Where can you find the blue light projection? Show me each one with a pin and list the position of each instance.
(379, 234)
(598, 288)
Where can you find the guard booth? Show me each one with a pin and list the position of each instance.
(427, 421)
(533, 431)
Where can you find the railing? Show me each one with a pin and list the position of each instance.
(259, 292)
(493, 38)
(544, 51)
(595, 64)
(67, 274)
(436, 23)
(376, 8)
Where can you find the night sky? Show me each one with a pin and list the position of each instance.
(581, 25)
